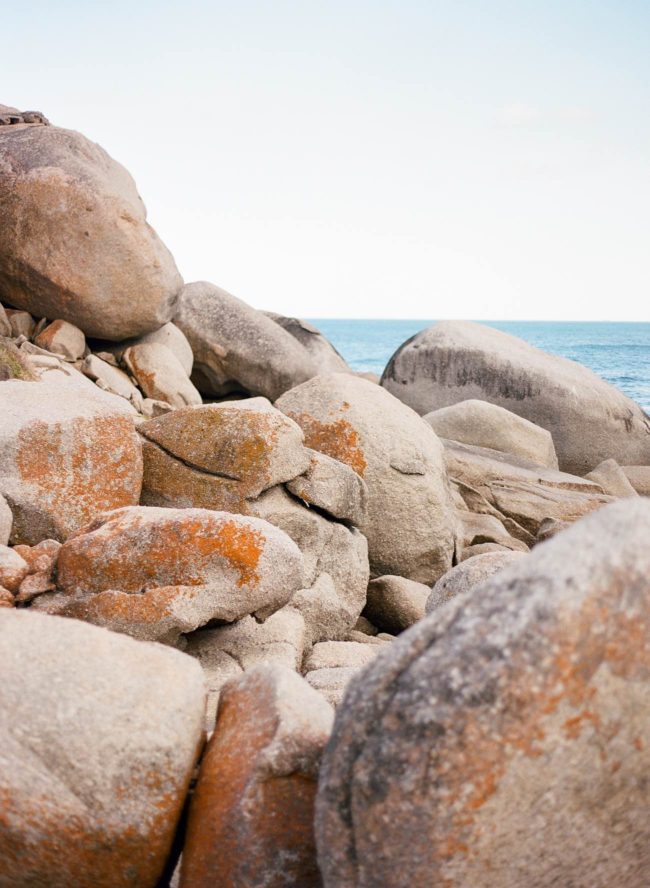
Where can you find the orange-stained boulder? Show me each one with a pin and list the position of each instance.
(155, 573)
(251, 816)
(99, 735)
(67, 453)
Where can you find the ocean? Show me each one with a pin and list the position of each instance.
(619, 352)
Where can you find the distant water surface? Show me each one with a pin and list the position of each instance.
(620, 353)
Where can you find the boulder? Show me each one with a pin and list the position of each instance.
(613, 480)
(530, 504)
(99, 737)
(251, 817)
(331, 682)
(487, 425)
(588, 418)
(639, 478)
(239, 349)
(64, 339)
(176, 569)
(68, 452)
(13, 117)
(481, 549)
(226, 651)
(6, 520)
(13, 569)
(332, 486)
(41, 561)
(160, 374)
(22, 323)
(504, 737)
(168, 335)
(5, 323)
(323, 353)
(549, 528)
(468, 574)
(75, 243)
(333, 654)
(395, 603)
(410, 520)
(477, 528)
(111, 379)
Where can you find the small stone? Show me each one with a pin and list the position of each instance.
(395, 603)
(22, 323)
(160, 374)
(63, 338)
(612, 479)
(13, 569)
(329, 654)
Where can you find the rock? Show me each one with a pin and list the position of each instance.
(64, 339)
(251, 816)
(365, 626)
(13, 117)
(504, 738)
(13, 569)
(176, 569)
(168, 335)
(530, 504)
(487, 425)
(75, 243)
(331, 682)
(453, 361)
(6, 597)
(14, 364)
(639, 478)
(356, 635)
(238, 349)
(99, 738)
(395, 603)
(160, 375)
(323, 353)
(332, 486)
(613, 480)
(227, 651)
(478, 529)
(410, 521)
(220, 456)
(22, 324)
(5, 323)
(41, 561)
(467, 575)
(111, 379)
(549, 528)
(6, 520)
(332, 654)
(67, 453)
(481, 549)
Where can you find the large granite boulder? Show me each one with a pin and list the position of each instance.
(99, 736)
(67, 453)
(504, 738)
(236, 348)
(74, 241)
(325, 356)
(409, 522)
(487, 425)
(589, 420)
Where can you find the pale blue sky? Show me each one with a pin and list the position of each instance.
(458, 159)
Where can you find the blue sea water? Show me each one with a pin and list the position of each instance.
(619, 352)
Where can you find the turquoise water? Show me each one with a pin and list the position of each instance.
(620, 353)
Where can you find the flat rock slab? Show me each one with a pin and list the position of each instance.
(504, 739)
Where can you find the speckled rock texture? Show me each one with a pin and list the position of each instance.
(487, 425)
(332, 486)
(98, 738)
(251, 818)
(589, 419)
(239, 349)
(504, 739)
(467, 575)
(74, 243)
(67, 453)
(410, 521)
(323, 353)
(160, 374)
(145, 570)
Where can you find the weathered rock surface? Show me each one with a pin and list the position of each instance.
(13, 117)
(99, 736)
(239, 349)
(251, 817)
(22, 323)
(477, 528)
(160, 374)
(111, 379)
(13, 569)
(613, 480)
(333, 487)
(323, 353)
(333, 654)
(331, 682)
(6, 520)
(639, 478)
(168, 335)
(5, 323)
(511, 770)
(487, 425)
(173, 570)
(395, 603)
(74, 242)
(468, 574)
(67, 453)
(14, 364)
(453, 361)
(410, 521)
(64, 339)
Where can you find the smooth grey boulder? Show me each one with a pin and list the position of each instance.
(325, 356)
(504, 737)
(613, 480)
(410, 522)
(468, 574)
(589, 419)
(99, 735)
(487, 425)
(395, 603)
(74, 242)
(236, 348)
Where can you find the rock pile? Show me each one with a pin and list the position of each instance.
(210, 525)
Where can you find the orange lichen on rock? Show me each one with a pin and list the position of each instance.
(337, 438)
